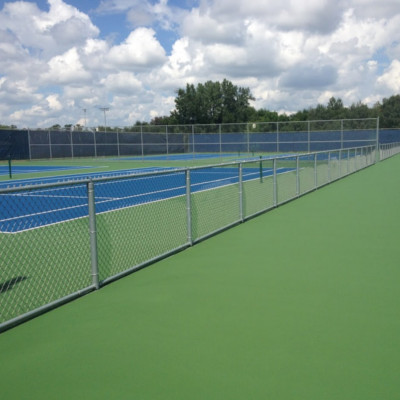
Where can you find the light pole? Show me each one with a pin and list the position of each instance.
(105, 109)
(84, 111)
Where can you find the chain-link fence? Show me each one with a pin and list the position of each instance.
(167, 140)
(389, 149)
(59, 241)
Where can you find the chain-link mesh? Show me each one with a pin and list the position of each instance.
(44, 244)
(62, 239)
(286, 170)
(258, 187)
(138, 219)
(306, 173)
(214, 199)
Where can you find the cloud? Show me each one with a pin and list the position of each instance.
(63, 26)
(66, 69)
(291, 54)
(391, 78)
(140, 50)
(122, 83)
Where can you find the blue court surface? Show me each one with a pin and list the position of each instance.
(29, 169)
(34, 208)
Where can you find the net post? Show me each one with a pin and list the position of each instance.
(241, 192)
(93, 234)
(188, 207)
(261, 170)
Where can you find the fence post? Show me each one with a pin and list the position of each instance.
(377, 141)
(341, 134)
(188, 207)
(277, 137)
(50, 153)
(329, 167)
(309, 136)
(29, 144)
(141, 140)
(275, 184)
(348, 161)
(118, 151)
(72, 144)
(297, 176)
(220, 140)
(93, 234)
(166, 138)
(315, 171)
(241, 192)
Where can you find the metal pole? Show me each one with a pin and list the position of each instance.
(166, 138)
(220, 140)
(329, 167)
(118, 152)
(95, 146)
(29, 144)
(72, 144)
(277, 137)
(194, 152)
(188, 207)
(377, 141)
(315, 171)
(93, 234)
(298, 175)
(309, 136)
(50, 145)
(275, 184)
(141, 140)
(241, 192)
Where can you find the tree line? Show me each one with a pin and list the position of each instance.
(215, 102)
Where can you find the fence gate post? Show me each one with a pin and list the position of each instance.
(93, 234)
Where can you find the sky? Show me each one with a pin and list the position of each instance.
(61, 61)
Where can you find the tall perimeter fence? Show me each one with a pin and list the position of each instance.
(144, 140)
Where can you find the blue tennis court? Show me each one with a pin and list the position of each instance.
(34, 208)
(29, 169)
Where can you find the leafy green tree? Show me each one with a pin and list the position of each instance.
(389, 112)
(212, 102)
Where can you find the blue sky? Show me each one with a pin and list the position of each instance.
(58, 57)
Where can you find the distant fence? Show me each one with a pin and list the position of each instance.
(59, 241)
(143, 140)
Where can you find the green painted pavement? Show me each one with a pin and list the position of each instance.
(299, 303)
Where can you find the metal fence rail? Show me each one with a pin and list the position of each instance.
(59, 241)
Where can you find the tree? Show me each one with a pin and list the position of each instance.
(389, 112)
(212, 103)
